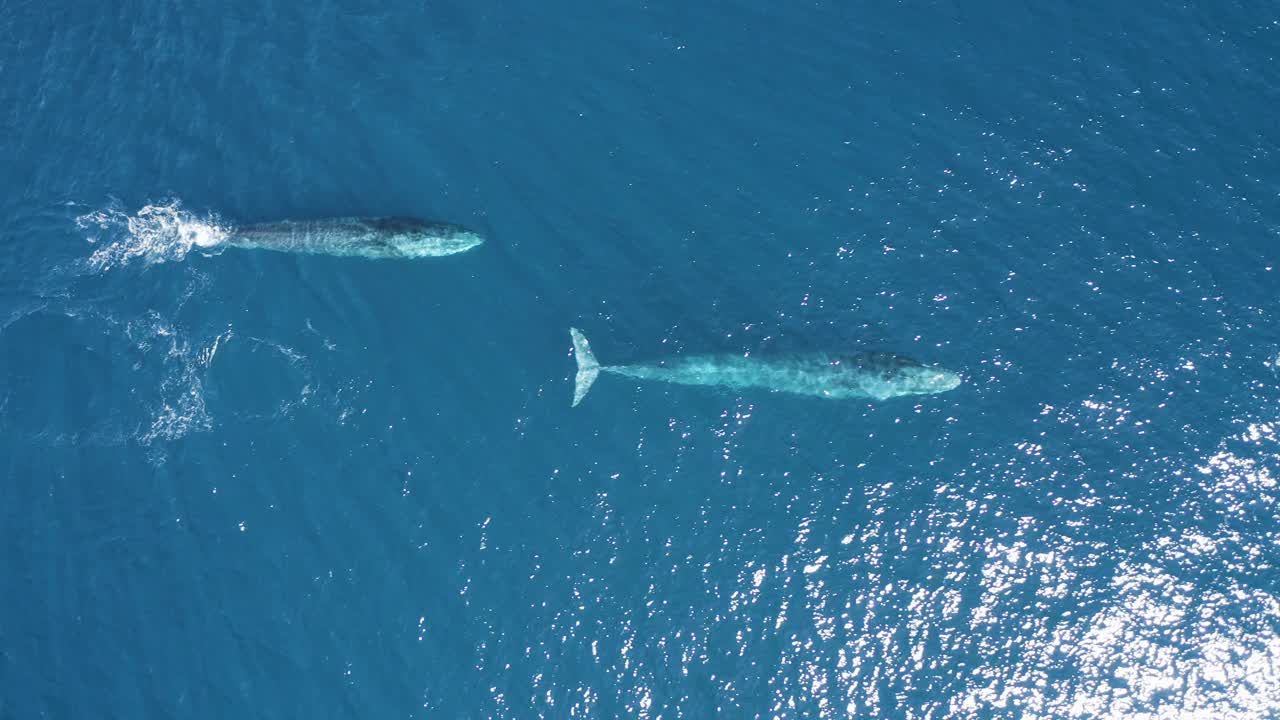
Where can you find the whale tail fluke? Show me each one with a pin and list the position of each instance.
(588, 368)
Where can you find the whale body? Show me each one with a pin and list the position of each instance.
(872, 375)
(380, 237)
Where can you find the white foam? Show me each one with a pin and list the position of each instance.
(181, 409)
(154, 234)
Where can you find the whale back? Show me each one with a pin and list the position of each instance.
(404, 225)
(885, 363)
(379, 237)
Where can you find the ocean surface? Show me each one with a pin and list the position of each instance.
(244, 484)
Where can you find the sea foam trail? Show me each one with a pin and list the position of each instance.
(154, 234)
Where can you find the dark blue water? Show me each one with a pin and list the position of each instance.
(248, 484)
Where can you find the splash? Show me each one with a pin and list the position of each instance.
(154, 234)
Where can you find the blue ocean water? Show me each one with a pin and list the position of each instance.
(243, 484)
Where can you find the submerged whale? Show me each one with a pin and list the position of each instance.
(874, 376)
(383, 237)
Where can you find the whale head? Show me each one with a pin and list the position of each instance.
(885, 375)
(411, 237)
(882, 375)
(944, 380)
(925, 380)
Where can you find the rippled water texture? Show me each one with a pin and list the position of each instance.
(251, 484)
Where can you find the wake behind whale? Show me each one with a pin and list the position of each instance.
(873, 376)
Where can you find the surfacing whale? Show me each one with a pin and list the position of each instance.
(874, 376)
(380, 238)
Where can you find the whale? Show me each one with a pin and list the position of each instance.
(374, 237)
(863, 375)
